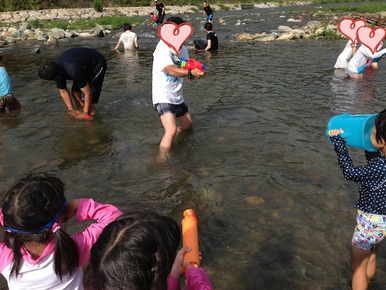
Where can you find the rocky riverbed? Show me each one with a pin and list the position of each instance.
(15, 26)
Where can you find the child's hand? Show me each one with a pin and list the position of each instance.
(177, 268)
(70, 210)
(335, 132)
(197, 73)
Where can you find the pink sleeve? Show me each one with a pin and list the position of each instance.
(6, 256)
(104, 214)
(1, 218)
(173, 283)
(197, 280)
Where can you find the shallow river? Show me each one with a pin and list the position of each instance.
(274, 209)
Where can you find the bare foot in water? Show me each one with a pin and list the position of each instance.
(80, 115)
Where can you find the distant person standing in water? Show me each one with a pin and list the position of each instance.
(154, 20)
(362, 59)
(86, 68)
(345, 56)
(160, 7)
(207, 11)
(128, 38)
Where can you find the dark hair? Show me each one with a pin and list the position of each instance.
(29, 207)
(134, 252)
(176, 20)
(49, 70)
(208, 26)
(126, 26)
(380, 126)
(1, 58)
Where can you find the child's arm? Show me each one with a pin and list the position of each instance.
(177, 270)
(376, 54)
(197, 279)
(350, 172)
(372, 155)
(70, 210)
(88, 209)
(118, 44)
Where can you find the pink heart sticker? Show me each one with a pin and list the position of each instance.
(349, 27)
(371, 37)
(175, 35)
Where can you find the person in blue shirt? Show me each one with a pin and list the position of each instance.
(371, 204)
(7, 98)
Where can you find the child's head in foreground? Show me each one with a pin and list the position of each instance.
(32, 211)
(134, 252)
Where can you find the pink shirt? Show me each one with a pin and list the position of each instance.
(40, 273)
(196, 280)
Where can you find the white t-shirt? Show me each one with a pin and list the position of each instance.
(128, 39)
(166, 88)
(344, 56)
(361, 57)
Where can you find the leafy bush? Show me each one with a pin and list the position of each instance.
(98, 5)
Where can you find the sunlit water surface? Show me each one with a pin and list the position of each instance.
(274, 209)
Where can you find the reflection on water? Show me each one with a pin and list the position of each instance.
(274, 209)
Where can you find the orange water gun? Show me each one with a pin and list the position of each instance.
(190, 238)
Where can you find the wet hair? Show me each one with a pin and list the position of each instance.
(126, 26)
(134, 252)
(50, 71)
(176, 20)
(380, 126)
(208, 26)
(30, 209)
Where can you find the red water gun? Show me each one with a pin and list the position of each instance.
(192, 64)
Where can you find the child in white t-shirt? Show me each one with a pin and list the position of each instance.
(128, 38)
(168, 79)
(363, 58)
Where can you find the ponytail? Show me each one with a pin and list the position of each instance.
(66, 254)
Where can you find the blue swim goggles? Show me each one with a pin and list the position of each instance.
(48, 225)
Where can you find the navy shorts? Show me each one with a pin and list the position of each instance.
(95, 80)
(177, 110)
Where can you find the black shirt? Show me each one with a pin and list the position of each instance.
(159, 7)
(214, 40)
(207, 10)
(78, 63)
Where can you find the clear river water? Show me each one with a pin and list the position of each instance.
(274, 209)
